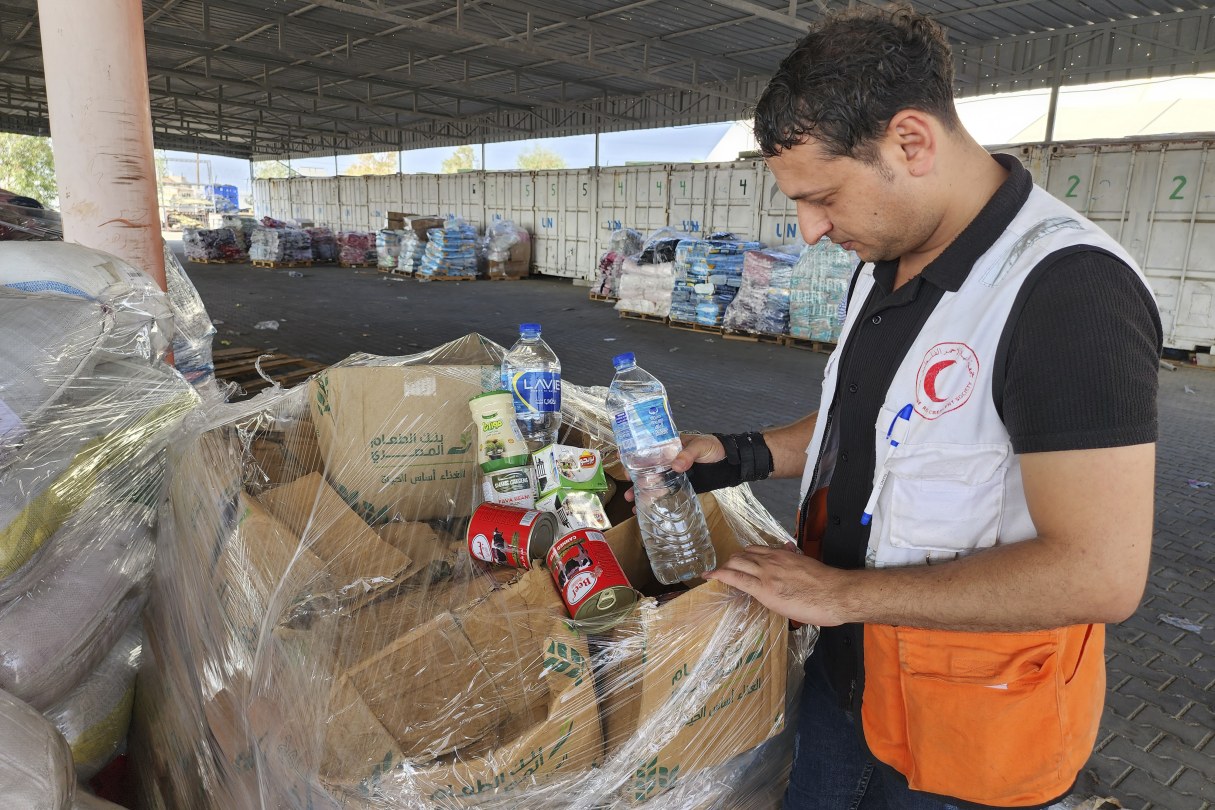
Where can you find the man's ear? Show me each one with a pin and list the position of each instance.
(911, 142)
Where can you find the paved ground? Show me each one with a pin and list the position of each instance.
(1155, 751)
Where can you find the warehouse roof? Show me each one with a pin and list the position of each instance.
(276, 78)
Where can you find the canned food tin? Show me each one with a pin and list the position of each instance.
(510, 487)
(589, 577)
(508, 535)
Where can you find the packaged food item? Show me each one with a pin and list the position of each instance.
(500, 444)
(559, 466)
(512, 486)
(592, 584)
(575, 509)
(510, 536)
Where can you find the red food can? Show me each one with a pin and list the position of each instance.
(589, 576)
(508, 535)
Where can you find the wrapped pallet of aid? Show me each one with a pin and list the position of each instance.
(818, 289)
(321, 633)
(762, 303)
(87, 405)
(623, 243)
(646, 279)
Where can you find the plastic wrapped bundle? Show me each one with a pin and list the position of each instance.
(243, 226)
(508, 250)
(94, 716)
(645, 289)
(320, 636)
(281, 245)
(356, 248)
(23, 223)
(271, 222)
(35, 763)
(388, 248)
(762, 303)
(708, 274)
(212, 245)
(324, 244)
(818, 289)
(410, 257)
(450, 251)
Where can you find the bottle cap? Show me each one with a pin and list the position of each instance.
(624, 360)
(529, 328)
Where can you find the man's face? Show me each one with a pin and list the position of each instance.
(862, 207)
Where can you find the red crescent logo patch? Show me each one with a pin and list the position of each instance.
(946, 379)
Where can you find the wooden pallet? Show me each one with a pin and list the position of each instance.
(753, 337)
(213, 261)
(279, 265)
(239, 365)
(641, 316)
(445, 278)
(693, 326)
(504, 278)
(605, 298)
(356, 265)
(820, 346)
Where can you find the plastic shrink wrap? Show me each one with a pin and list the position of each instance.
(356, 248)
(450, 250)
(35, 763)
(280, 244)
(213, 245)
(647, 278)
(623, 243)
(87, 406)
(20, 223)
(818, 289)
(410, 257)
(762, 303)
(319, 637)
(324, 244)
(508, 250)
(708, 274)
(388, 244)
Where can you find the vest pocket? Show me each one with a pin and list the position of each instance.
(981, 716)
(945, 499)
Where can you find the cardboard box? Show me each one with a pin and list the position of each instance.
(399, 441)
(448, 683)
(730, 701)
(563, 738)
(360, 564)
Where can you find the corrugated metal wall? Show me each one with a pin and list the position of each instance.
(1156, 197)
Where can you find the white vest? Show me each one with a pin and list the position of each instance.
(952, 485)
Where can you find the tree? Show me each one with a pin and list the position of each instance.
(27, 167)
(374, 163)
(270, 169)
(461, 160)
(539, 158)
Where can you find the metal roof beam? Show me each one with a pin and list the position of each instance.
(530, 50)
(765, 13)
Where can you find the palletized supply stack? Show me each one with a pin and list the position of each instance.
(321, 636)
(625, 242)
(212, 245)
(451, 251)
(356, 248)
(762, 303)
(708, 275)
(388, 248)
(243, 226)
(646, 279)
(281, 245)
(818, 289)
(89, 404)
(324, 244)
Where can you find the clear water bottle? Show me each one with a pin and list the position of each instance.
(672, 525)
(532, 373)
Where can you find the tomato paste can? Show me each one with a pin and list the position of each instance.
(508, 535)
(589, 577)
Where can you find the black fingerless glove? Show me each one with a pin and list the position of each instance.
(747, 459)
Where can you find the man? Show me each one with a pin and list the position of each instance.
(978, 480)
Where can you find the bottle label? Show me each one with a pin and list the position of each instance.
(647, 423)
(536, 391)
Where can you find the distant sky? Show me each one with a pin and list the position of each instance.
(1144, 107)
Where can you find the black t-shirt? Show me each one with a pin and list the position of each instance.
(1076, 369)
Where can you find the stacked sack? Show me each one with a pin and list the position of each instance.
(356, 248)
(212, 245)
(818, 291)
(450, 250)
(708, 274)
(624, 242)
(320, 637)
(87, 407)
(324, 244)
(646, 279)
(280, 245)
(388, 248)
(762, 303)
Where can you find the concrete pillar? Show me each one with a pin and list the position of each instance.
(96, 71)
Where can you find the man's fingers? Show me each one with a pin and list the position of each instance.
(747, 583)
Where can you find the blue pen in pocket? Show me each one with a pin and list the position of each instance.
(897, 432)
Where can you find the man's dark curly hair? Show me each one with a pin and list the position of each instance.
(848, 77)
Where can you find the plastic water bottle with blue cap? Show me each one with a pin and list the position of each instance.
(672, 524)
(532, 373)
